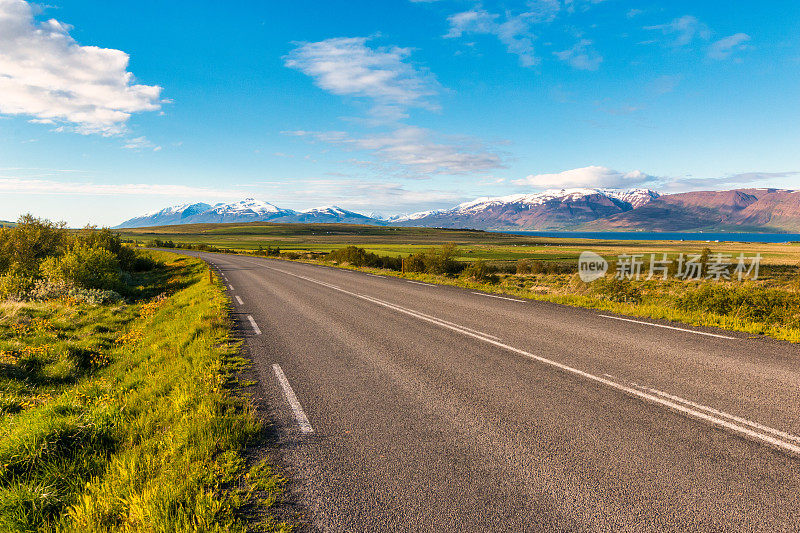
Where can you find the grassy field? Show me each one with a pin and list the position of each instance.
(128, 416)
(471, 244)
(536, 268)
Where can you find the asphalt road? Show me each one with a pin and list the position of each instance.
(411, 407)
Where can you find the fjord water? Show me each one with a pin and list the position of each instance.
(666, 236)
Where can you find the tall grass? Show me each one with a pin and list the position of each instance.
(127, 417)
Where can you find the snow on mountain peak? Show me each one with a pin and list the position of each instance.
(327, 209)
(176, 209)
(634, 197)
(247, 206)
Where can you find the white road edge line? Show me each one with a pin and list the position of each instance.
(230, 286)
(669, 327)
(253, 323)
(374, 275)
(499, 297)
(239, 300)
(420, 283)
(294, 403)
(643, 395)
(717, 412)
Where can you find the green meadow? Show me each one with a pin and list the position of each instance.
(472, 245)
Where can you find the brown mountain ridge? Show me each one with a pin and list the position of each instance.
(763, 210)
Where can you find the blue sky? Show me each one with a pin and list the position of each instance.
(108, 110)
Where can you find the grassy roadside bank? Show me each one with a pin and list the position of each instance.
(769, 306)
(126, 415)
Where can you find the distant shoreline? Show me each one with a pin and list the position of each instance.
(665, 236)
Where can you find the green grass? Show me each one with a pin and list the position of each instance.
(129, 417)
(395, 240)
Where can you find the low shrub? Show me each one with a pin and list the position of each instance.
(771, 306)
(480, 271)
(358, 257)
(84, 266)
(617, 290)
(15, 283)
(435, 261)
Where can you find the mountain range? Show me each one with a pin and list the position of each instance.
(247, 210)
(765, 210)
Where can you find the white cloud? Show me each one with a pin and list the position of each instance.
(348, 67)
(581, 56)
(45, 74)
(683, 30)
(723, 48)
(592, 176)
(514, 31)
(42, 186)
(584, 5)
(366, 194)
(417, 151)
(731, 181)
(140, 143)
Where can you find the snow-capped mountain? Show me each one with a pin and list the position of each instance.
(177, 214)
(333, 213)
(558, 209)
(415, 216)
(551, 209)
(247, 210)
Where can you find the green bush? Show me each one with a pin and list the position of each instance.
(435, 261)
(15, 283)
(771, 306)
(87, 267)
(359, 257)
(31, 241)
(617, 290)
(480, 271)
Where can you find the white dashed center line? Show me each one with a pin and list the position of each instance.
(254, 325)
(294, 403)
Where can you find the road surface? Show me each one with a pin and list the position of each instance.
(405, 406)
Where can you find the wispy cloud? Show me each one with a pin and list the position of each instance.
(514, 31)
(581, 56)
(347, 66)
(591, 176)
(46, 75)
(140, 143)
(687, 183)
(683, 30)
(368, 195)
(416, 150)
(600, 176)
(49, 187)
(725, 47)
(665, 84)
